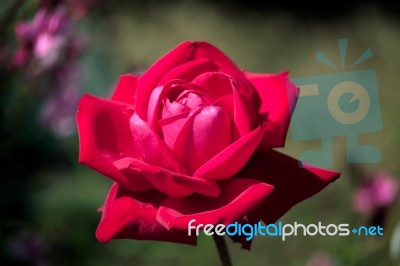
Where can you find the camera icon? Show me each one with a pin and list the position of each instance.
(339, 104)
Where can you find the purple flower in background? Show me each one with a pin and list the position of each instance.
(27, 31)
(377, 192)
(43, 39)
(50, 50)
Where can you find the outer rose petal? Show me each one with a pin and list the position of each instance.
(182, 54)
(126, 89)
(170, 183)
(239, 196)
(244, 113)
(104, 137)
(230, 160)
(278, 99)
(292, 183)
(133, 215)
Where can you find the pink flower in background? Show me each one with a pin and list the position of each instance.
(192, 138)
(43, 39)
(379, 191)
(49, 49)
(28, 31)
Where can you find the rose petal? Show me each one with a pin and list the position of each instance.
(104, 137)
(183, 53)
(126, 89)
(190, 99)
(204, 134)
(239, 196)
(159, 95)
(244, 113)
(230, 160)
(219, 85)
(197, 184)
(151, 149)
(171, 109)
(193, 96)
(171, 127)
(188, 71)
(170, 183)
(132, 215)
(272, 135)
(216, 84)
(206, 50)
(150, 79)
(292, 182)
(154, 105)
(278, 98)
(226, 103)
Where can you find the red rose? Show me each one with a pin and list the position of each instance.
(191, 139)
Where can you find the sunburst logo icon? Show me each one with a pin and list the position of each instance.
(344, 103)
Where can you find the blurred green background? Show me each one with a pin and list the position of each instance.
(49, 202)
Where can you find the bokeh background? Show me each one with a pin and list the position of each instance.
(48, 203)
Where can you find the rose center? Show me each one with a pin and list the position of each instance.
(186, 102)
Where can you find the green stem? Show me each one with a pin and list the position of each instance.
(222, 250)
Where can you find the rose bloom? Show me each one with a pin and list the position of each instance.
(192, 138)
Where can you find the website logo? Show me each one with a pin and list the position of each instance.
(281, 230)
(338, 104)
